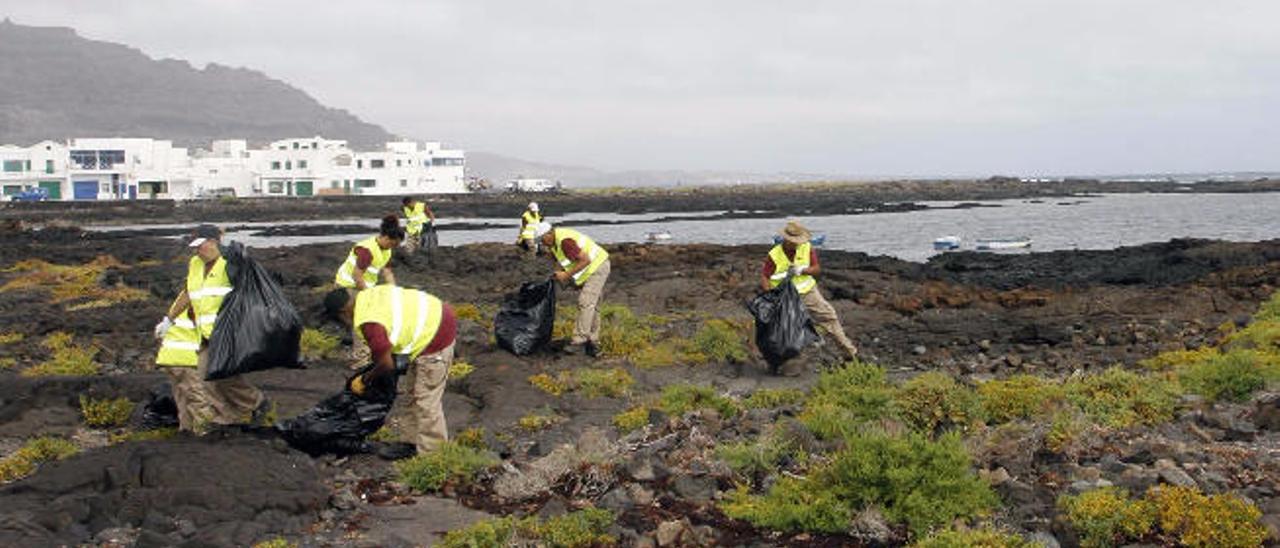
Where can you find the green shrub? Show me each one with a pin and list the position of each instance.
(68, 358)
(721, 341)
(667, 352)
(24, 461)
(318, 345)
(622, 334)
(580, 529)
(10, 338)
(1065, 429)
(450, 462)
(984, 537)
(1178, 359)
(860, 388)
(597, 383)
(277, 542)
(1233, 376)
(917, 482)
(1269, 311)
(752, 458)
(144, 435)
(769, 398)
(632, 419)
(538, 421)
(1197, 520)
(1106, 517)
(105, 413)
(1121, 399)
(678, 399)
(473, 313)
(472, 437)
(934, 401)
(554, 386)
(487, 533)
(1019, 397)
(459, 369)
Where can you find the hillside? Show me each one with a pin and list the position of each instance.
(55, 84)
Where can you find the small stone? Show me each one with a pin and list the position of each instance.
(919, 350)
(670, 532)
(984, 344)
(1175, 476)
(1013, 360)
(870, 527)
(995, 477)
(1046, 540)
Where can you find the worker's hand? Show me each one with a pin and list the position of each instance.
(563, 276)
(163, 327)
(797, 270)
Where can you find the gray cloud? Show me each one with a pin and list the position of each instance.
(879, 87)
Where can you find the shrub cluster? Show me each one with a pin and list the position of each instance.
(79, 285)
(932, 402)
(578, 529)
(450, 462)
(105, 413)
(1121, 399)
(318, 345)
(1019, 397)
(983, 537)
(24, 461)
(67, 358)
(1179, 515)
(769, 398)
(590, 382)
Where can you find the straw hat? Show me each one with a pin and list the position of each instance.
(795, 233)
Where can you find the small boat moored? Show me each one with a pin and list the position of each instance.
(657, 236)
(946, 243)
(991, 244)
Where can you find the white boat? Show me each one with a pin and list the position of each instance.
(947, 243)
(657, 236)
(989, 244)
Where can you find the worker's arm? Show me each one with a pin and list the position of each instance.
(430, 214)
(363, 260)
(383, 362)
(388, 276)
(814, 268)
(180, 305)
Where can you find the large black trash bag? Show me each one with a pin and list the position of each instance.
(783, 326)
(527, 317)
(257, 327)
(160, 411)
(341, 422)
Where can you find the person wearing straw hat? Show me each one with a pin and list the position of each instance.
(795, 258)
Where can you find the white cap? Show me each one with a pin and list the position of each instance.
(533, 206)
(196, 242)
(542, 228)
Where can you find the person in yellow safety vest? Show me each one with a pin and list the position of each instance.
(368, 261)
(796, 258)
(185, 332)
(586, 264)
(416, 216)
(528, 228)
(415, 327)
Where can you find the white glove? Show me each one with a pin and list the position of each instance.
(163, 327)
(797, 270)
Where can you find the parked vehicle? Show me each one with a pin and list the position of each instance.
(33, 194)
(521, 184)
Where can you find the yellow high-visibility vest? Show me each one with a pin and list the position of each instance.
(346, 273)
(181, 344)
(530, 227)
(596, 254)
(781, 264)
(415, 218)
(411, 317)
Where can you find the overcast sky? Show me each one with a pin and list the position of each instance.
(892, 87)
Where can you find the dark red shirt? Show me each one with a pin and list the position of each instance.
(768, 261)
(570, 249)
(363, 258)
(375, 334)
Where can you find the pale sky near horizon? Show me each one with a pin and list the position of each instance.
(863, 88)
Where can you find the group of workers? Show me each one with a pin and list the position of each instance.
(398, 330)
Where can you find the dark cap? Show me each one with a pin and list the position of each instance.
(204, 232)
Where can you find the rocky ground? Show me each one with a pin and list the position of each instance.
(974, 316)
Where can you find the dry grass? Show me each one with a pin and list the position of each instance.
(67, 359)
(78, 287)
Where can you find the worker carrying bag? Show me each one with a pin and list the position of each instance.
(783, 326)
(527, 317)
(257, 327)
(341, 422)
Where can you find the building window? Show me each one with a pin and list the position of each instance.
(315, 145)
(48, 166)
(446, 161)
(275, 165)
(288, 164)
(359, 164)
(302, 164)
(84, 159)
(398, 163)
(275, 187)
(295, 145)
(404, 183)
(366, 183)
(282, 147)
(11, 166)
(110, 158)
(377, 164)
(335, 184)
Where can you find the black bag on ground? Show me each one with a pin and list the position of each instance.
(527, 317)
(341, 422)
(257, 327)
(783, 326)
(160, 411)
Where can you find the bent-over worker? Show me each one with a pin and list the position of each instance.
(584, 263)
(796, 257)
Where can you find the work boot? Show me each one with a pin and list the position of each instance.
(572, 349)
(262, 412)
(591, 349)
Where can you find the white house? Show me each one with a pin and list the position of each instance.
(43, 165)
(126, 169)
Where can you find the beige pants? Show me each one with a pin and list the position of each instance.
(412, 242)
(587, 327)
(430, 371)
(203, 403)
(824, 316)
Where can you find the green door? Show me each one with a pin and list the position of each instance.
(302, 188)
(54, 188)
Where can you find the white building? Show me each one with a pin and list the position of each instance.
(131, 168)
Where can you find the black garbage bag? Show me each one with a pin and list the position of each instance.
(160, 411)
(525, 321)
(783, 326)
(341, 422)
(257, 327)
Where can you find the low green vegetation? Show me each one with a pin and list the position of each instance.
(752, 459)
(577, 529)
(720, 341)
(982, 537)
(1020, 397)
(540, 420)
(1233, 376)
(144, 435)
(10, 338)
(79, 287)
(770, 398)
(472, 437)
(26, 459)
(278, 542)
(846, 397)
(933, 402)
(1182, 515)
(632, 419)
(459, 369)
(318, 345)
(590, 382)
(678, 399)
(474, 313)
(105, 413)
(1121, 399)
(450, 462)
(66, 358)
(622, 333)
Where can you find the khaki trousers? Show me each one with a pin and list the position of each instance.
(824, 316)
(587, 326)
(203, 403)
(430, 372)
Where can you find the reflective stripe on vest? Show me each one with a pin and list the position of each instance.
(415, 217)
(596, 254)
(181, 345)
(206, 292)
(345, 276)
(530, 228)
(781, 264)
(411, 317)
